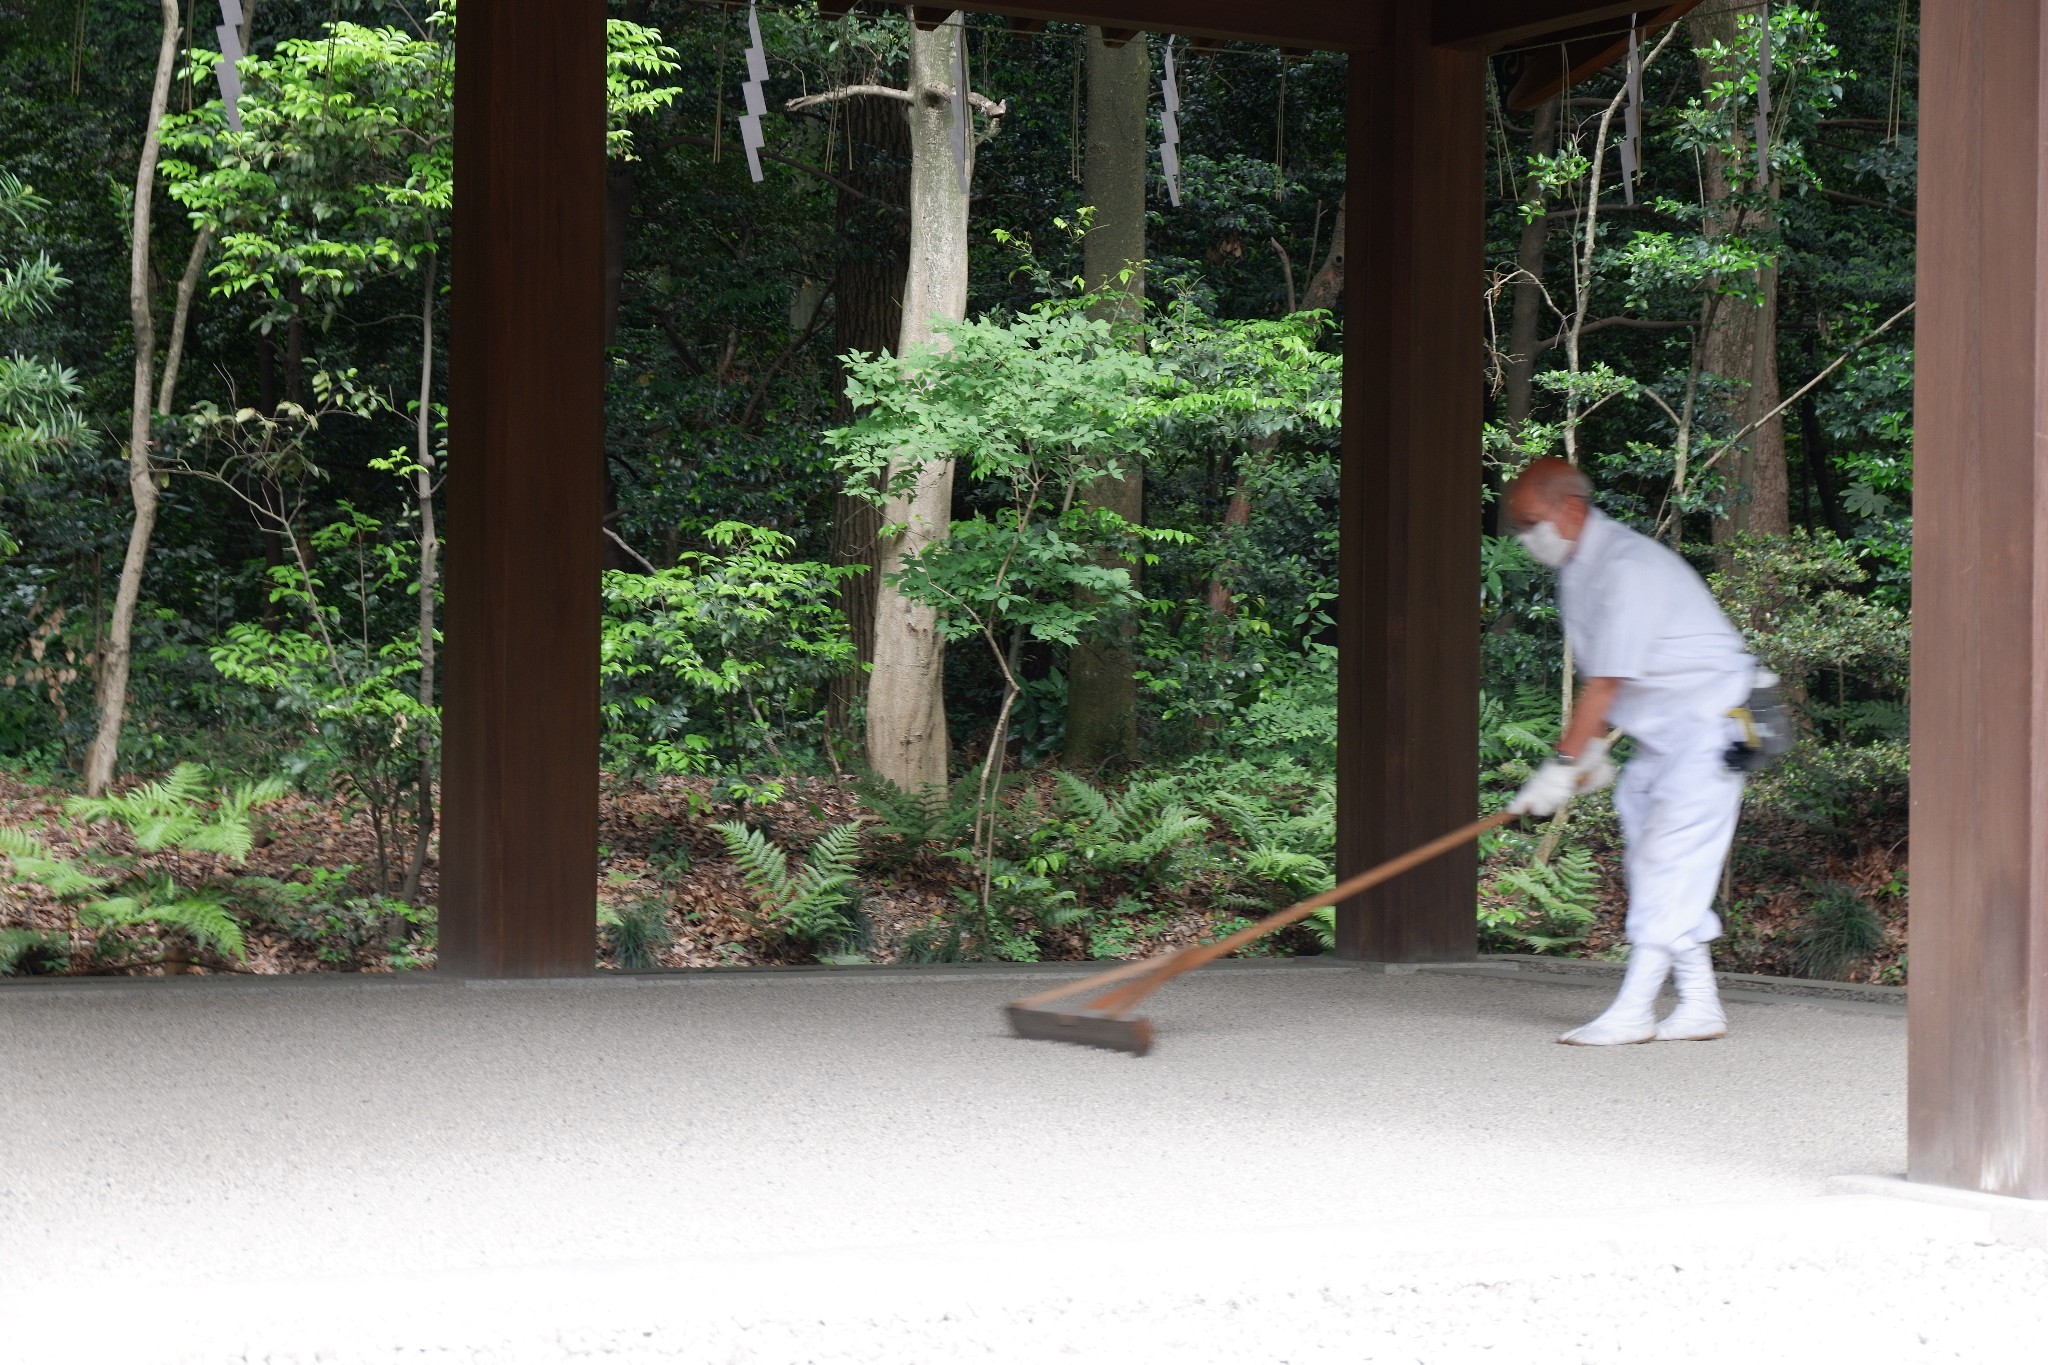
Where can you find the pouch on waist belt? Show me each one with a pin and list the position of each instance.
(1767, 733)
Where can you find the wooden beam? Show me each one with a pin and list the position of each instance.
(1487, 25)
(526, 442)
(1322, 24)
(1117, 37)
(929, 17)
(1408, 550)
(1978, 1031)
(1564, 59)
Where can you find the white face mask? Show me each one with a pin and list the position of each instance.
(1546, 544)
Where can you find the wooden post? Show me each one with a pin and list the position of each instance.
(1978, 1029)
(526, 434)
(1408, 571)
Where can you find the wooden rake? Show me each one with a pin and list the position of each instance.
(1108, 1021)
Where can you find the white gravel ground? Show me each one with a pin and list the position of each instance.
(1316, 1164)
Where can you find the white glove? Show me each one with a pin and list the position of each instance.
(1560, 779)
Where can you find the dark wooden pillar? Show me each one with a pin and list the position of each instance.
(526, 436)
(1978, 1066)
(1408, 722)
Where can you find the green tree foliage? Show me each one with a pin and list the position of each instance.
(345, 677)
(38, 418)
(344, 165)
(721, 663)
(1038, 405)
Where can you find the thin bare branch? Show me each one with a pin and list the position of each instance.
(848, 92)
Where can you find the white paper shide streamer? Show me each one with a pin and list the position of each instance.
(1763, 99)
(757, 72)
(230, 34)
(961, 126)
(1632, 120)
(1169, 124)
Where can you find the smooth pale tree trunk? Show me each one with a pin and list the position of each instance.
(1525, 323)
(907, 741)
(867, 316)
(1739, 346)
(1102, 687)
(111, 683)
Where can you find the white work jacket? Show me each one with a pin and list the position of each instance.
(1634, 610)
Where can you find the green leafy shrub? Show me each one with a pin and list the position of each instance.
(1837, 930)
(349, 680)
(722, 662)
(808, 905)
(345, 930)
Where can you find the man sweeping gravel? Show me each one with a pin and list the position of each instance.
(1658, 661)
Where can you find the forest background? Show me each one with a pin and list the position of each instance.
(1106, 478)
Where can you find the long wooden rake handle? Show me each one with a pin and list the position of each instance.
(1154, 972)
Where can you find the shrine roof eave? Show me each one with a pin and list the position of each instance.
(1349, 25)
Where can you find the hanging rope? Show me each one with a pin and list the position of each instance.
(757, 73)
(1169, 127)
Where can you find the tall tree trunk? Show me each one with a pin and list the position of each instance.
(430, 574)
(907, 741)
(867, 316)
(1326, 286)
(1526, 322)
(1740, 345)
(1102, 687)
(111, 684)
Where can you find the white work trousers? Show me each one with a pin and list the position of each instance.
(1678, 808)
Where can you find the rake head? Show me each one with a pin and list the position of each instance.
(1090, 1027)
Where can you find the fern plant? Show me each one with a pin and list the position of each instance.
(1288, 852)
(1140, 834)
(181, 811)
(1545, 906)
(915, 822)
(32, 950)
(807, 904)
(111, 892)
(159, 903)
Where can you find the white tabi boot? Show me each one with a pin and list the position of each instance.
(1698, 1016)
(1632, 1018)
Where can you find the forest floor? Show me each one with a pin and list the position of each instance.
(659, 845)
